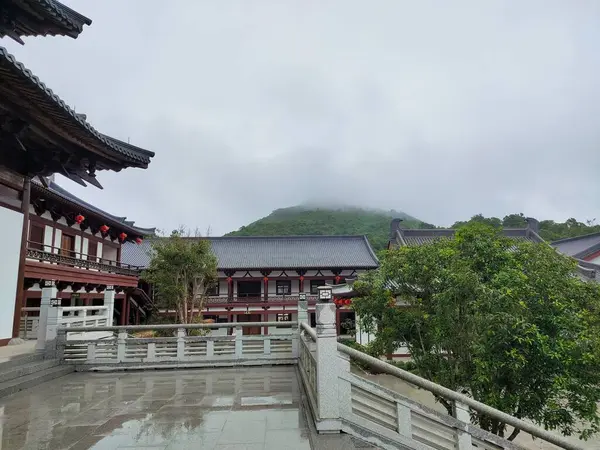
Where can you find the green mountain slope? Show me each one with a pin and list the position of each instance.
(309, 220)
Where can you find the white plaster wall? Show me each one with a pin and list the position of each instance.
(48, 238)
(57, 240)
(84, 247)
(10, 247)
(77, 247)
(99, 250)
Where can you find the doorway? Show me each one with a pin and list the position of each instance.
(249, 318)
(67, 247)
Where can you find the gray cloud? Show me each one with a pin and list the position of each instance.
(440, 111)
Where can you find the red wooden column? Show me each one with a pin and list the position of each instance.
(301, 284)
(123, 310)
(266, 293)
(229, 289)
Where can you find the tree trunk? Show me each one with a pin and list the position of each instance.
(514, 434)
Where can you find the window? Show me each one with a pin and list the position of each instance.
(314, 284)
(213, 290)
(284, 317)
(36, 236)
(283, 287)
(92, 250)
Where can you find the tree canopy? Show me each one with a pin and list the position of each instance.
(181, 270)
(506, 322)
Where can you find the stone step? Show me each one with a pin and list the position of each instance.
(19, 360)
(33, 379)
(26, 369)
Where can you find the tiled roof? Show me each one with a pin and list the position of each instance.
(420, 237)
(50, 105)
(277, 252)
(42, 17)
(58, 192)
(578, 247)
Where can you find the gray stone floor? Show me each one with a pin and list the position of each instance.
(254, 408)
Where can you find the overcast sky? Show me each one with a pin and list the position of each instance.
(439, 109)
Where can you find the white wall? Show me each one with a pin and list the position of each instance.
(10, 247)
(48, 238)
(57, 240)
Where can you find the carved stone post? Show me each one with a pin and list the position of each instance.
(302, 309)
(49, 292)
(327, 364)
(463, 437)
(109, 302)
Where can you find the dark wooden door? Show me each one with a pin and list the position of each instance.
(249, 318)
(67, 245)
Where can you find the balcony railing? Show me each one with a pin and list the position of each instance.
(47, 253)
(291, 299)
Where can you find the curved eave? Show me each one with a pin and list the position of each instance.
(80, 207)
(72, 123)
(46, 18)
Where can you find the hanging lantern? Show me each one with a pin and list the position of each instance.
(336, 301)
(347, 302)
(79, 218)
(104, 229)
(229, 279)
(123, 236)
(301, 277)
(337, 279)
(266, 279)
(138, 241)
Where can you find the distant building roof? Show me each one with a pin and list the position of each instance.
(401, 236)
(276, 252)
(579, 247)
(78, 206)
(40, 18)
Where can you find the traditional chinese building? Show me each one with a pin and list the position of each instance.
(40, 136)
(78, 247)
(261, 278)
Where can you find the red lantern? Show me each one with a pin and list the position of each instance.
(337, 279)
(347, 302)
(104, 229)
(229, 279)
(266, 279)
(301, 277)
(336, 301)
(138, 241)
(79, 218)
(123, 236)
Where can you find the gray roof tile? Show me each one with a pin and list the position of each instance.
(421, 237)
(578, 247)
(276, 252)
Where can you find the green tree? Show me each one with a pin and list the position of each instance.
(479, 218)
(514, 221)
(505, 322)
(181, 270)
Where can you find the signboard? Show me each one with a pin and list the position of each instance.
(55, 302)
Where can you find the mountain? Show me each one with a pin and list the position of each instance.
(311, 219)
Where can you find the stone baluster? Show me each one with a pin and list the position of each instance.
(328, 364)
(180, 344)
(109, 302)
(238, 342)
(461, 412)
(49, 292)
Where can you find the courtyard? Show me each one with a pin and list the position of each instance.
(258, 408)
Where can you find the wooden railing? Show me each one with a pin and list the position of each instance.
(47, 253)
(291, 299)
(182, 349)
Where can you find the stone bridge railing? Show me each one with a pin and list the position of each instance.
(180, 346)
(342, 401)
(338, 400)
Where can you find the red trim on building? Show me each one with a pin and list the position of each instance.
(592, 256)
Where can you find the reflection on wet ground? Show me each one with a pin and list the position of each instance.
(255, 408)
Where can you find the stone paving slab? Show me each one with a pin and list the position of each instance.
(250, 408)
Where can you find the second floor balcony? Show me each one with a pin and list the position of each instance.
(45, 262)
(271, 298)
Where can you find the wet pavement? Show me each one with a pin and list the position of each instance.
(254, 408)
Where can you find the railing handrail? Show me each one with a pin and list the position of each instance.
(309, 330)
(41, 247)
(191, 326)
(82, 308)
(456, 396)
